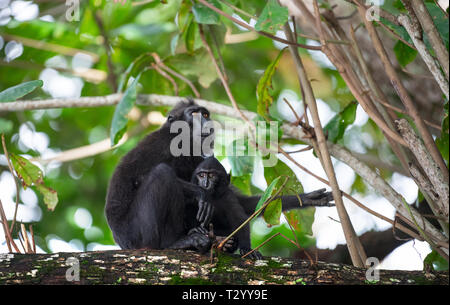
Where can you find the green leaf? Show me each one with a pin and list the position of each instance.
(205, 15)
(243, 183)
(119, 121)
(404, 53)
(272, 18)
(240, 157)
(135, 66)
(6, 126)
(440, 21)
(301, 220)
(264, 88)
(28, 172)
(272, 213)
(267, 193)
(189, 36)
(50, 196)
(337, 125)
(195, 65)
(292, 187)
(349, 113)
(359, 186)
(435, 261)
(16, 92)
(31, 175)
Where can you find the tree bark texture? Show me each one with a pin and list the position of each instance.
(186, 267)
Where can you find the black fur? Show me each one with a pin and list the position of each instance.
(231, 208)
(145, 204)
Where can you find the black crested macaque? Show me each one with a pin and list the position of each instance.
(231, 208)
(146, 200)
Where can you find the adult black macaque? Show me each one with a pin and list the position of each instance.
(145, 204)
(231, 208)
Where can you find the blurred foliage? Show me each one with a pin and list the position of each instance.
(255, 67)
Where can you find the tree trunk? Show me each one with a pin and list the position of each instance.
(187, 267)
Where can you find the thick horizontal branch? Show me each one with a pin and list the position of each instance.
(126, 267)
(79, 102)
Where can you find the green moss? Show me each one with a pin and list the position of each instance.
(422, 280)
(300, 281)
(224, 263)
(274, 264)
(178, 280)
(47, 266)
(371, 282)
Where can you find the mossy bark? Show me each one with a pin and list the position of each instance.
(187, 267)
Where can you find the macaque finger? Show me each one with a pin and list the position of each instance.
(208, 215)
(202, 206)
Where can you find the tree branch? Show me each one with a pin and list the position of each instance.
(243, 24)
(426, 56)
(403, 93)
(440, 186)
(125, 267)
(358, 258)
(433, 35)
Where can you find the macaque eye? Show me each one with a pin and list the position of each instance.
(201, 175)
(211, 175)
(205, 115)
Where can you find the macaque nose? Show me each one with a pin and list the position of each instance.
(206, 184)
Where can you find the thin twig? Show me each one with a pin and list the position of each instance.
(431, 124)
(242, 12)
(327, 41)
(5, 227)
(219, 54)
(25, 238)
(8, 238)
(20, 237)
(161, 64)
(442, 9)
(256, 213)
(51, 47)
(440, 186)
(112, 78)
(433, 35)
(261, 244)
(11, 169)
(32, 237)
(357, 255)
(298, 119)
(166, 76)
(403, 94)
(309, 147)
(296, 239)
(399, 151)
(351, 198)
(395, 35)
(425, 54)
(223, 80)
(243, 24)
(417, 75)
